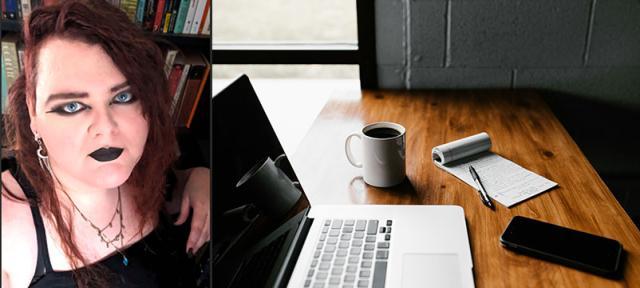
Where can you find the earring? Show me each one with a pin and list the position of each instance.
(43, 160)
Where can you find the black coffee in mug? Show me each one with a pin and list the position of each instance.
(382, 132)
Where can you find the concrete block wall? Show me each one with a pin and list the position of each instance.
(589, 48)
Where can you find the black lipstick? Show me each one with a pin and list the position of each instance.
(106, 154)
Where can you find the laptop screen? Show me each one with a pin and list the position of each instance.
(254, 185)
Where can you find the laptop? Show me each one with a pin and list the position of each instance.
(262, 237)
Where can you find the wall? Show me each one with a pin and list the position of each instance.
(585, 54)
(586, 47)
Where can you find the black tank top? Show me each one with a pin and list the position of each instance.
(157, 260)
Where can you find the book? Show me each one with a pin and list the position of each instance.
(140, 9)
(11, 9)
(26, 9)
(189, 19)
(158, 15)
(179, 88)
(10, 57)
(206, 27)
(149, 14)
(205, 16)
(505, 181)
(167, 16)
(174, 15)
(4, 88)
(182, 15)
(196, 79)
(168, 61)
(174, 78)
(129, 7)
(198, 16)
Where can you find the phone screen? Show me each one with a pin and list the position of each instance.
(571, 247)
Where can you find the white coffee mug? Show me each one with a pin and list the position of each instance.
(384, 153)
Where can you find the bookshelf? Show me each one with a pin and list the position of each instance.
(194, 141)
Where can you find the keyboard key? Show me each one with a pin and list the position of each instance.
(317, 254)
(330, 248)
(352, 268)
(318, 285)
(349, 278)
(334, 280)
(379, 274)
(343, 244)
(383, 245)
(372, 227)
(334, 232)
(324, 265)
(388, 229)
(382, 254)
(319, 246)
(323, 237)
(371, 238)
(356, 243)
(310, 274)
(389, 222)
(336, 271)
(328, 222)
(322, 275)
(347, 229)
(314, 263)
(358, 235)
(355, 251)
(307, 283)
(332, 240)
(349, 222)
(382, 229)
(369, 247)
(387, 237)
(365, 273)
(361, 225)
(354, 260)
(345, 237)
(327, 257)
(336, 224)
(367, 255)
(363, 283)
(339, 261)
(325, 229)
(342, 253)
(366, 264)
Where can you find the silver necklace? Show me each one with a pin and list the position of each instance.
(101, 234)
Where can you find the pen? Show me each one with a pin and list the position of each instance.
(483, 193)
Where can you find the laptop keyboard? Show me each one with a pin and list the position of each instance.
(351, 253)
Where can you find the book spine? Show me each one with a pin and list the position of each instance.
(189, 94)
(167, 16)
(178, 94)
(129, 7)
(10, 57)
(207, 25)
(140, 11)
(194, 107)
(158, 15)
(149, 14)
(4, 89)
(26, 9)
(205, 17)
(11, 10)
(174, 78)
(168, 61)
(198, 15)
(174, 15)
(182, 15)
(192, 10)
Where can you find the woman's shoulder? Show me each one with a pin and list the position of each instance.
(19, 244)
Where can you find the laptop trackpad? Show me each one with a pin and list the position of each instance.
(432, 270)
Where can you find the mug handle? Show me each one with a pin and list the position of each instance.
(347, 149)
(278, 161)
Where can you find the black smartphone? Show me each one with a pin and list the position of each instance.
(580, 250)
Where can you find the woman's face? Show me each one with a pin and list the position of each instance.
(90, 122)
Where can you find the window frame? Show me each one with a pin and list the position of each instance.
(363, 54)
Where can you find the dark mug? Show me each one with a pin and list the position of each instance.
(270, 188)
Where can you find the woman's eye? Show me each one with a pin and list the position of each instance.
(69, 108)
(124, 97)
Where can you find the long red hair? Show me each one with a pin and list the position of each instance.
(141, 61)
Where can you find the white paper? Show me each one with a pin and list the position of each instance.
(505, 181)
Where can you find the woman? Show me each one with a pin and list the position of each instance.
(88, 120)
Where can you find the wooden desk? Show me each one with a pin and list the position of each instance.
(522, 129)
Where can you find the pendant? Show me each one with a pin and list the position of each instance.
(125, 260)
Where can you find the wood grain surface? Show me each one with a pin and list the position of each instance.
(522, 128)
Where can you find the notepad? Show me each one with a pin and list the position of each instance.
(504, 180)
